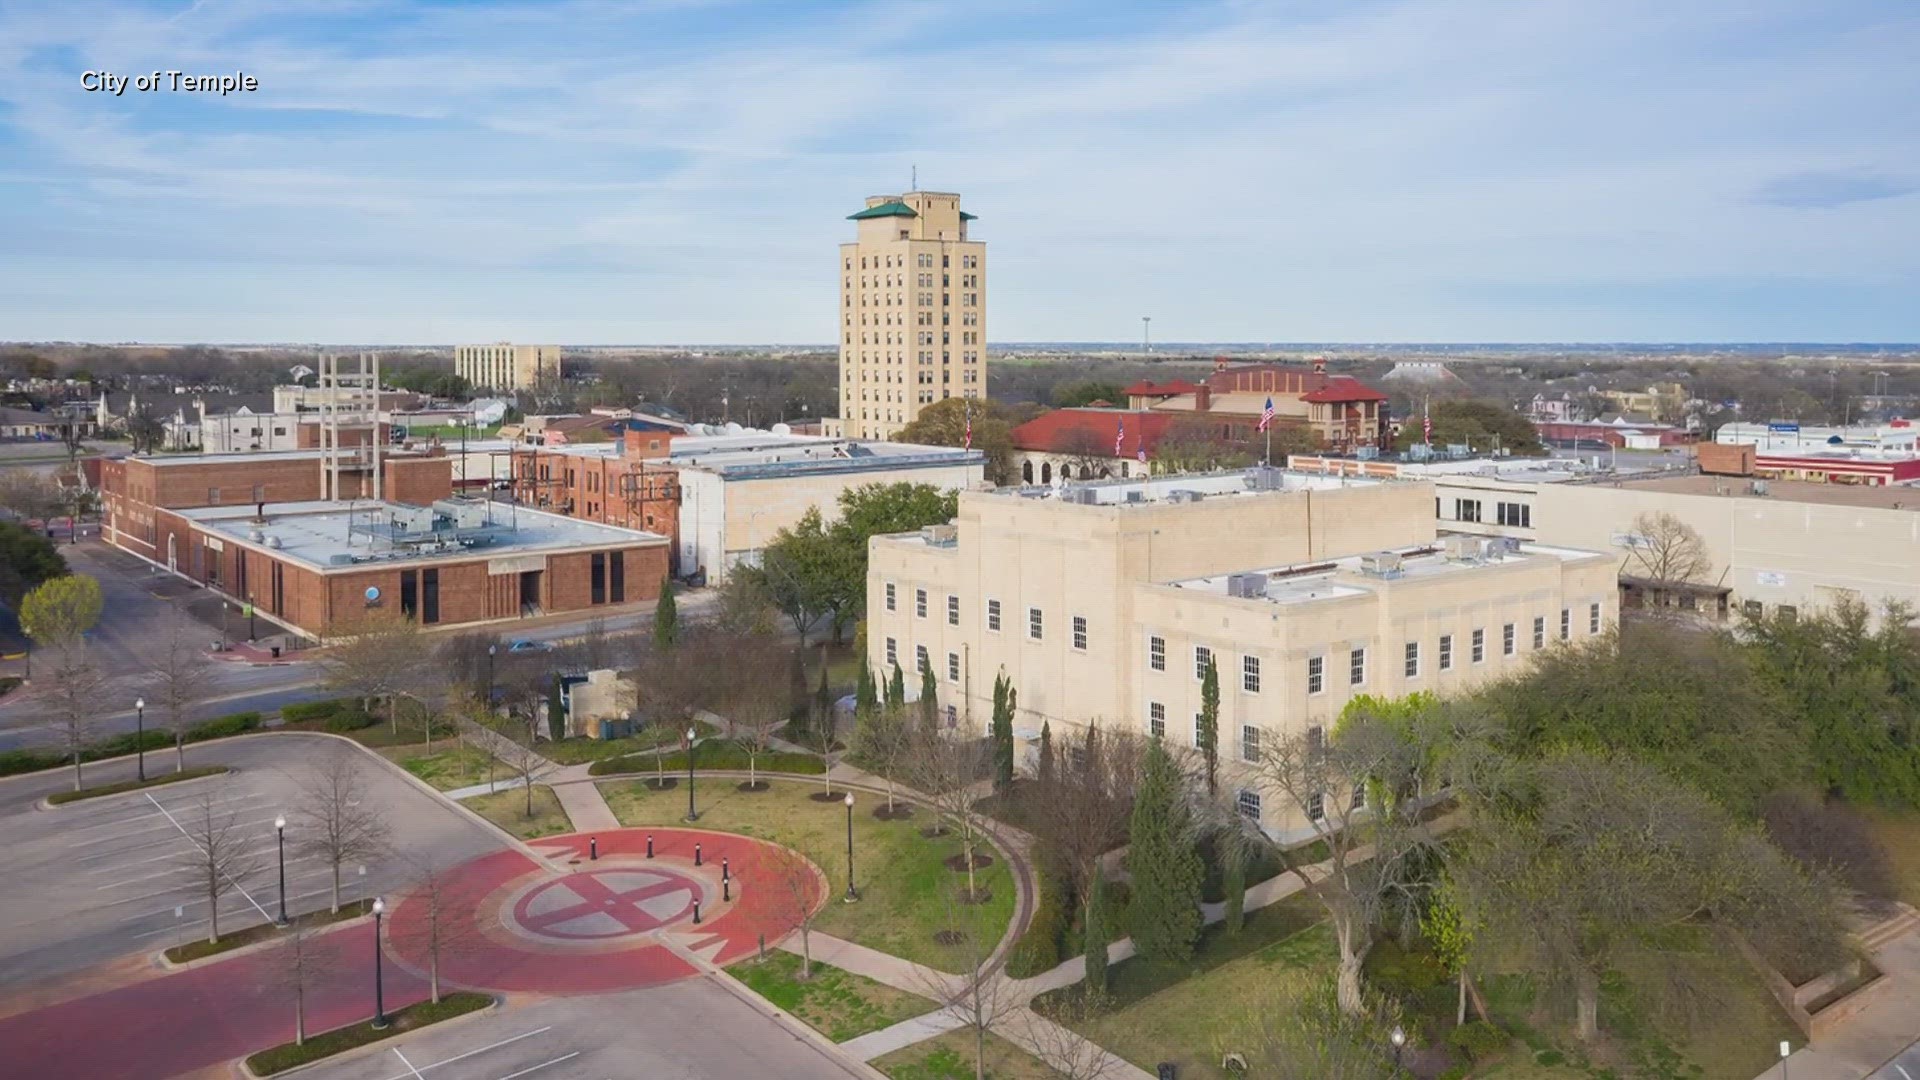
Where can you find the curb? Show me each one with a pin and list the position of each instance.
(798, 1028)
(53, 807)
(160, 958)
(377, 1046)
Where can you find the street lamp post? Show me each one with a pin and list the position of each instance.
(1786, 1048)
(852, 893)
(1398, 1037)
(251, 634)
(493, 648)
(280, 835)
(379, 994)
(140, 738)
(691, 815)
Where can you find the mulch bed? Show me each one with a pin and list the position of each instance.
(958, 863)
(937, 829)
(828, 796)
(656, 783)
(755, 787)
(897, 812)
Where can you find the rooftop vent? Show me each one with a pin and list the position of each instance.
(1758, 487)
(940, 535)
(1083, 496)
(1381, 563)
(1185, 495)
(1247, 586)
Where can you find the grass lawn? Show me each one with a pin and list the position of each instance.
(907, 892)
(449, 432)
(340, 1040)
(1188, 1012)
(839, 1004)
(950, 1057)
(194, 950)
(1899, 833)
(452, 766)
(578, 750)
(712, 754)
(508, 809)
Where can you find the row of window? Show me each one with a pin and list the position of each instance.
(924, 260)
(1516, 514)
(1036, 619)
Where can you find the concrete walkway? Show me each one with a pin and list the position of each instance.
(1867, 1043)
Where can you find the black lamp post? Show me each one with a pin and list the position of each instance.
(493, 648)
(691, 815)
(140, 738)
(1398, 1037)
(251, 635)
(280, 835)
(852, 893)
(379, 994)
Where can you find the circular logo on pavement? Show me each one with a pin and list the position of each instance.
(596, 905)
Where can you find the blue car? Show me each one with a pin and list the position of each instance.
(527, 645)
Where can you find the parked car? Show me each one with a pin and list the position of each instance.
(528, 645)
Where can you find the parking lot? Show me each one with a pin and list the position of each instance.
(694, 1028)
(103, 878)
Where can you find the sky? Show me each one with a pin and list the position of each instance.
(675, 171)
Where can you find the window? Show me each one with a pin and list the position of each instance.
(1466, 509)
(1157, 653)
(1248, 803)
(1316, 741)
(953, 718)
(1250, 674)
(1539, 632)
(1787, 612)
(617, 576)
(1752, 607)
(1202, 656)
(1506, 640)
(953, 667)
(1593, 618)
(1519, 515)
(920, 603)
(1249, 743)
(1080, 632)
(599, 574)
(1566, 623)
(1316, 674)
(1413, 659)
(920, 659)
(409, 591)
(1316, 807)
(1446, 652)
(893, 653)
(1034, 628)
(1359, 796)
(953, 610)
(890, 606)
(1156, 720)
(993, 615)
(1357, 667)
(1479, 645)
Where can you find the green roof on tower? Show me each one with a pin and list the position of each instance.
(885, 209)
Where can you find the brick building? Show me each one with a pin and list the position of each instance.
(1343, 413)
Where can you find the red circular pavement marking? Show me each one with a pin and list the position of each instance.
(618, 897)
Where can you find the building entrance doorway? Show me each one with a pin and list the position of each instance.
(530, 592)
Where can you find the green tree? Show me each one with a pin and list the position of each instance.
(944, 423)
(1096, 942)
(666, 618)
(1484, 425)
(799, 697)
(27, 560)
(1234, 881)
(1164, 914)
(1206, 728)
(878, 509)
(556, 710)
(896, 689)
(1045, 772)
(929, 701)
(1003, 706)
(809, 573)
(59, 611)
(1081, 392)
(866, 696)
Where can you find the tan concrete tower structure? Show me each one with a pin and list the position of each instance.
(913, 312)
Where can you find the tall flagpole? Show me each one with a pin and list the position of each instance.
(1269, 446)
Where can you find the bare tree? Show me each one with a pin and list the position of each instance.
(30, 494)
(1089, 455)
(520, 759)
(306, 965)
(445, 926)
(883, 743)
(797, 891)
(979, 994)
(78, 691)
(221, 853)
(343, 825)
(376, 657)
(1081, 811)
(821, 739)
(181, 676)
(1065, 1053)
(1666, 550)
(947, 771)
(596, 647)
(758, 698)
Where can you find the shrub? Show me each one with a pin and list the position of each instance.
(13, 762)
(316, 710)
(1455, 1072)
(1403, 972)
(1478, 1039)
(1038, 949)
(125, 743)
(709, 756)
(350, 720)
(1830, 836)
(221, 727)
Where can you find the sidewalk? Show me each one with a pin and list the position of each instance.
(1875, 1035)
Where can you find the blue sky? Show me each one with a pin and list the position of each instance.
(679, 170)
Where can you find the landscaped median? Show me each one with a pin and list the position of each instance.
(836, 1003)
(201, 948)
(15, 762)
(136, 785)
(721, 756)
(913, 886)
(338, 1041)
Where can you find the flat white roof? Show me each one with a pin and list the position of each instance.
(1185, 487)
(314, 533)
(1297, 583)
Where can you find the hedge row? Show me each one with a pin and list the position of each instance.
(14, 762)
(316, 710)
(712, 756)
(136, 785)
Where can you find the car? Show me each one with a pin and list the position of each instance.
(528, 645)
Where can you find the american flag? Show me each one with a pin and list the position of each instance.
(1426, 426)
(1119, 436)
(1266, 416)
(966, 440)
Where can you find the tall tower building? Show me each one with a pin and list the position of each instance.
(913, 312)
(504, 367)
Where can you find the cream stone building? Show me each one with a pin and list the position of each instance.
(502, 366)
(913, 312)
(1103, 602)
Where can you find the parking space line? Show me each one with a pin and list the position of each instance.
(408, 1064)
(146, 877)
(183, 832)
(478, 1050)
(542, 1065)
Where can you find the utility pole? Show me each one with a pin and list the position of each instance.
(1146, 336)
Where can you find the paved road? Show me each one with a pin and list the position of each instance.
(1905, 1066)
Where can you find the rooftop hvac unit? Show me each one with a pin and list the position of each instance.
(1248, 586)
(941, 535)
(340, 558)
(464, 513)
(1367, 453)
(1506, 545)
(1083, 496)
(412, 519)
(1185, 495)
(1263, 478)
(1759, 487)
(1381, 563)
(1136, 496)
(273, 541)
(1468, 548)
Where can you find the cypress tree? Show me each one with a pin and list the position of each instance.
(1206, 731)
(1002, 732)
(929, 701)
(666, 618)
(866, 695)
(556, 712)
(1164, 915)
(1046, 756)
(896, 689)
(799, 698)
(823, 707)
(1235, 873)
(1096, 944)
